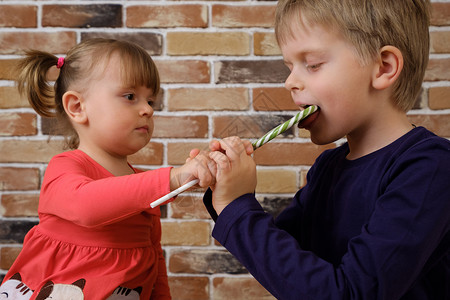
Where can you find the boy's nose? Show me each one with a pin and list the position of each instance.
(293, 82)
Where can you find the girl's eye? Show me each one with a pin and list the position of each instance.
(129, 96)
(151, 102)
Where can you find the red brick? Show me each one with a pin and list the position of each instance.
(181, 127)
(440, 14)
(273, 99)
(8, 67)
(17, 124)
(277, 154)
(247, 71)
(208, 43)
(189, 207)
(19, 16)
(249, 126)
(154, 16)
(264, 43)
(440, 41)
(82, 16)
(178, 152)
(20, 205)
(53, 42)
(152, 154)
(438, 69)
(183, 71)
(439, 97)
(276, 181)
(34, 151)
(195, 233)
(152, 42)
(226, 288)
(19, 179)
(10, 98)
(243, 16)
(8, 255)
(189, 288)
(439, 124)
(205, 261)
(217, 99)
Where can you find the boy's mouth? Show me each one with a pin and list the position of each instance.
(305, 123)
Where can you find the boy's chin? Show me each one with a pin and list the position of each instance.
(321, 139)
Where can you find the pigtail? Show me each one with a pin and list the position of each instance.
(33, 82)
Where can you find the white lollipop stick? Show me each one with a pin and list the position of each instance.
(174, 193)
(266, 138)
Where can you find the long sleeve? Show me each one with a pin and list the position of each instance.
(378, 228)
(76, 190)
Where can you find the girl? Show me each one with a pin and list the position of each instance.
(97, 238)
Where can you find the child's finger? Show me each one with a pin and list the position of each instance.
(214, 145)
(233, 147)
(222, 162)
(248, 147)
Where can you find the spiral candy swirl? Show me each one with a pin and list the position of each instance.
(285, 126)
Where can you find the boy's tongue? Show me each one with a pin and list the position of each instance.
(308, 121)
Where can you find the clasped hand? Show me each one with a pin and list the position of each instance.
(228, 169)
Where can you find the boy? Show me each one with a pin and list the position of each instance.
(373, 221)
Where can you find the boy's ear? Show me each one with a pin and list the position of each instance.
(73, 103)
(388, 68)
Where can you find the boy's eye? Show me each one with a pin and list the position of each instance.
(313, 67)
(151, 102)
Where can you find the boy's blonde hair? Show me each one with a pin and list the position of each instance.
(369, 25)
(137, 69)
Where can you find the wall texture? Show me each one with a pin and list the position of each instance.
(222, 75)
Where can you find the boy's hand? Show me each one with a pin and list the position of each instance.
(236, 171)
(198, 165)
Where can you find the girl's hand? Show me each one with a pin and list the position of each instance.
(198, 165)
(236, 171)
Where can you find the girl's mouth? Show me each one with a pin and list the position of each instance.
(142, 129)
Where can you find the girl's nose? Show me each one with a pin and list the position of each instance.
(146, 109)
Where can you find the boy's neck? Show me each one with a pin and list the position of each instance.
(390, 126)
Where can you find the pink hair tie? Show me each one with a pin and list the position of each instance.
(60, 62)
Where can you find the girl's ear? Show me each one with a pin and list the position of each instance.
(388, 67)
(73, 103)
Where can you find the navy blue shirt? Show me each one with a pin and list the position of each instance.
(377, 227)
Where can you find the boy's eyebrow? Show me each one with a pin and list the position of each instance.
(307, 52)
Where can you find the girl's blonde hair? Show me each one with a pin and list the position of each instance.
(137, 69)
(369, 25)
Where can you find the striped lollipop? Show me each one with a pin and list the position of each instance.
(285, 126)
(266, 138)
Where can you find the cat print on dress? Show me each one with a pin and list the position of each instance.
(15, 289)
(122, 293)
(58, 291)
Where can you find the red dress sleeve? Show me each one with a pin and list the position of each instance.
(79, 190)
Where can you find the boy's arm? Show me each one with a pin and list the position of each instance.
(406, 235)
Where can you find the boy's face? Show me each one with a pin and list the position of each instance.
(325, 71)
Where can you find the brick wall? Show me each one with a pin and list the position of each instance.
(221, 75)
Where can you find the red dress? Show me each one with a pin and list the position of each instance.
(97, 237)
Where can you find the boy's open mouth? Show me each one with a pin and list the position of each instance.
(305, 123)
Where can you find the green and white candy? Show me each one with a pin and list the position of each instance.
(285, 126)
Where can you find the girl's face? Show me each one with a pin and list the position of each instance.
(325, 71)
(120, 118)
